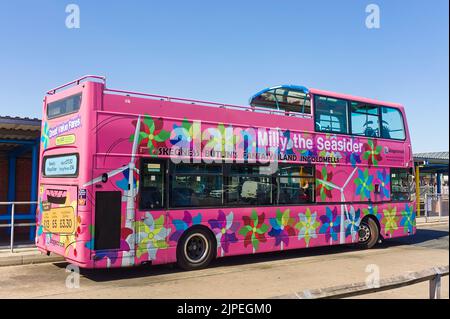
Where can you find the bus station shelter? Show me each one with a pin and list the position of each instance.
(431, 176)
(19, 158)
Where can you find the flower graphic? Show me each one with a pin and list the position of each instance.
(353, 158)
(384, 179)
(364, 184)
(309, 153)
(44, 136)
(182, 224)
(151, 134)
(331, 223)
(307, 226)
(352, 222)
(254, 230)
(323, 179)
(282, 228)
(372, 210)
(408, 220)
(90, 243)
(225, 229)
(371, 152)
(151, 235)
(112, 255)
(123, 183)
(332, 154)
(390, 220)
(182, 135)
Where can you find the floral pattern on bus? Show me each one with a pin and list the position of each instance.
(152, 235)
(151, 134)
(408, 220)
(331, 222)
(225, 228)
(282, 228)
(307, 226)
(352, 222)
(390, 220)
(372, 152)
(181, 225)
(254, 230)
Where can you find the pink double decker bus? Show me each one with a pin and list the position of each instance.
(129, 178)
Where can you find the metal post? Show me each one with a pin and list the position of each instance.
(438, 183)
(435, 287)
(440, 206)
(418, 190)
(12, 227)
(11, 179)
(33, 192)
(425, 207)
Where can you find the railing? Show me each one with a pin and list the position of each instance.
(76, 82)
(13, 224)
(206, 103)
(179, 100)
(433, 275)
(435, 205)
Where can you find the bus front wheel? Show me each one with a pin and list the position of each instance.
(195, 250)
(368, 233)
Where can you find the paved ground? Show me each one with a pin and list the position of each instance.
(258, 276)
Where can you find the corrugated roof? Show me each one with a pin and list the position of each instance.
(16, 128)
(19, 128)
(433, 155)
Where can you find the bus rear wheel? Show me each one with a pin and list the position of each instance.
(368, 233)
(195, 249)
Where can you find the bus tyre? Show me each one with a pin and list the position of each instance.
(368, 233)
(196, 249)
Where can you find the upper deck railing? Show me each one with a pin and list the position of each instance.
(78, 81)
(207, 103)
(177, 99)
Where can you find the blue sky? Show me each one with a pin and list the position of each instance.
(227, 50)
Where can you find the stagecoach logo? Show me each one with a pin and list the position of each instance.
(64, 127)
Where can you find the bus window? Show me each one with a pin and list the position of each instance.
(288, 98)
(249, 185)
(152, 185)
(295, 184)
(196, 185)
(392, 124)
(401, 181)
(65, 106)
(365, 119)
(330, 115)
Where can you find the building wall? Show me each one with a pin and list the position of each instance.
(23, 189)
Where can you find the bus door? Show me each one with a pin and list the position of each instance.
(152, 192)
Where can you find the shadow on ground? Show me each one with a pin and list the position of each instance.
(103, 275)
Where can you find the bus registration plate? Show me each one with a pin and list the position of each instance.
(59, 220)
